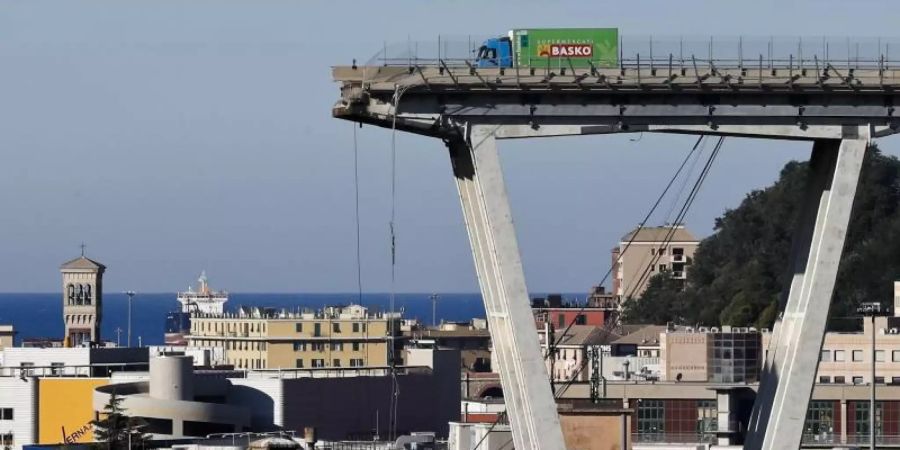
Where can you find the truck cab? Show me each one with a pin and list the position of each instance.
(495, 52)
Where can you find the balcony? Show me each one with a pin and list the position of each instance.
(678, 258)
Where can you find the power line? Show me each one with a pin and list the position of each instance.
(631, 240)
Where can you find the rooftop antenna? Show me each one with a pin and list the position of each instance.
(130, 295)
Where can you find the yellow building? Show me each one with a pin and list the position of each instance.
(65, 409)
(261, 338)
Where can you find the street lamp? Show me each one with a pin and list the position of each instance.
(871, 310)
(130, 295)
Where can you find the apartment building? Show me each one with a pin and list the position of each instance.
(652, 250)
(265, 338)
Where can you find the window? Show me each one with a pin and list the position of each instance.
(562, 321)
(839, 379)
(662, 267)
(580, 319)
(651, 421)
(356, 328)
(819, 418)
(356, 346)
(337, 346)
(336, 363)
(653, 251)
(364, 327)
(317, 329)
(895, 356)
(706, 416)
(27, 368)
(857, 355)
(318, 346)
(879, 380)
(299, 346)
(839, 355)
(857, 380)
(356, 362)
(56, 368)
(662, 251)
(318, 363)
(299, 327)
(895, 380)
(879, 355)
(336, 327)
(299, 363)
(6, 414)
(6, 440)
(824, 380)
(825, 356)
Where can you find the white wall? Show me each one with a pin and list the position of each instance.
(272, 389)
(21, 396)
(44, 357)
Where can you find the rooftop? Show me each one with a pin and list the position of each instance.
(82, 263)
(659, 234)
(580, 335)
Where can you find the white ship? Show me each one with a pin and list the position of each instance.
(204, 300)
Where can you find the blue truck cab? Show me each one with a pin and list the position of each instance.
(495, 52)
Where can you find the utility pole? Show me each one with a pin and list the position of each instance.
(130, 295)
(871, 310)
(434, 299)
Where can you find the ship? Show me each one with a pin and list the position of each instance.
(201, 301)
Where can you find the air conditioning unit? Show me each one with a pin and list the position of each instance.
(689, 329)
(763, 330)
(704, 330)
(895, 331)
(714, 329)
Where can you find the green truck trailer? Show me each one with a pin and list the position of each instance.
(553, 47)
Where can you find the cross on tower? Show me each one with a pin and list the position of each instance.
(82, 248)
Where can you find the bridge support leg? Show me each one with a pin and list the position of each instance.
(793, 354)
(530, 404)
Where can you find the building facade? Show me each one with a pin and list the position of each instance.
(334, 337)
(652, 250)
(82, 280)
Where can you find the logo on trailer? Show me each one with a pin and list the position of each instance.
(572, 50)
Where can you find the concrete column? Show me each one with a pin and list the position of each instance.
(530, 404)
(793, 357)
(843, 421)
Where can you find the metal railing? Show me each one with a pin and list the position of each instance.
(662, 52)
(673, 438)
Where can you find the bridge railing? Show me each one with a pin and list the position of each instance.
(659, 52)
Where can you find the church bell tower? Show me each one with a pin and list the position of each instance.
(82, 300)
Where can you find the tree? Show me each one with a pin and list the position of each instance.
(740, 271)
(115, 427)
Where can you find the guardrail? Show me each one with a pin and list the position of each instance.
(660, 52)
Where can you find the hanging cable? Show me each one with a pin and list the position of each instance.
(681, 214)
(641, 225)
(356, 188)
(395, 384)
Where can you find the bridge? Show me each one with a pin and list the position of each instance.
(837, 105)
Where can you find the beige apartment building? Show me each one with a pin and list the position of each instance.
(846, 358)
(334, 337)
(653, 250)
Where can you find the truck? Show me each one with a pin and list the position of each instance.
(551, 47)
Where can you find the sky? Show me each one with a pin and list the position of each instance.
(174, 137)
